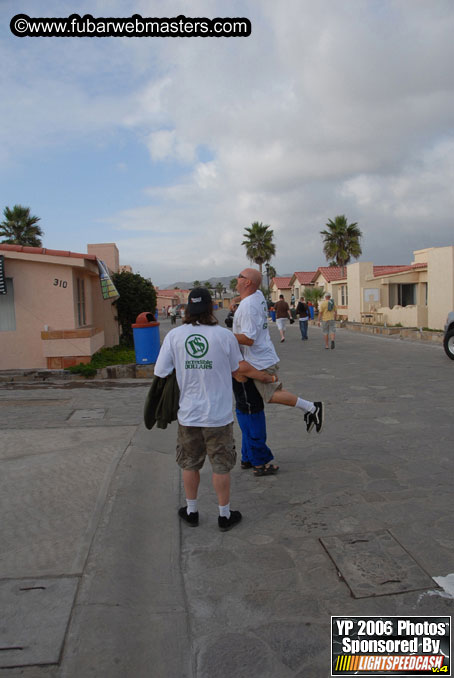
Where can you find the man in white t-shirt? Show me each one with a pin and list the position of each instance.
(205, 356)
(250, 326)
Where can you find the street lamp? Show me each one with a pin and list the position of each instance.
(267, 267)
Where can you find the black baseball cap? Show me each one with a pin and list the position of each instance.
(199, 301)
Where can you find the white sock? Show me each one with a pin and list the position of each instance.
(305, 405)
(224, 511)
(192, 506)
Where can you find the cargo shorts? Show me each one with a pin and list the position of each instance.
(329, 326)
(194, 443)
(267, 390)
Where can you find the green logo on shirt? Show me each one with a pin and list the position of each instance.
(196, 345)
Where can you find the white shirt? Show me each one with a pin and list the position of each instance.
(204, 357)
(251, 319)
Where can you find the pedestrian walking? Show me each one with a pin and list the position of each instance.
(303, 313)
(282, 315)
(327, 319)
(173, 314)
(250, 327)
(204, 356)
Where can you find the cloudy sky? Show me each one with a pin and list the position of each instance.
(170, 147)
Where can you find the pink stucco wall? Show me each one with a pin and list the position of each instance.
(45, 300)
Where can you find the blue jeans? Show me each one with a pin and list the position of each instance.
(303, 328)
(253, 444)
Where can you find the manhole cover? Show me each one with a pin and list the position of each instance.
(80, 415)
(35, 614)
(375, 564)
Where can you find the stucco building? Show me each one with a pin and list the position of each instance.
(300, 280)
(53, 313)
(419, 294)
(281, 285)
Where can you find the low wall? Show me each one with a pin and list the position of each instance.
(408, 333)
(131, 371)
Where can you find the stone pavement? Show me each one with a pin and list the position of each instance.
(99, 578)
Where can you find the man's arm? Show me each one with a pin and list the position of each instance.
(245, 369)
(234, 302)
(244, 340)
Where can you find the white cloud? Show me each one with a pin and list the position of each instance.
(327, 108)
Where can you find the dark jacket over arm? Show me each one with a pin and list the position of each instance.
(162, 402)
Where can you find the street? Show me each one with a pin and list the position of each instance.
(91, 539)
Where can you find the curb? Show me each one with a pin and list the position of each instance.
(64, 378)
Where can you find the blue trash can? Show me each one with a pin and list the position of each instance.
(311, 311)
(273, 315)
(146, 339)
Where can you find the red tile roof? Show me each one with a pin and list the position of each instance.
(43, 250)
(331, 273)
(281, 283)
(380, 271)
(304, 277)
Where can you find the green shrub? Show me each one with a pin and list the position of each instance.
(86, 370)
(137, 295)
(113, 355)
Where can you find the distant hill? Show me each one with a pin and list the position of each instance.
(188, 285)
(213, 281)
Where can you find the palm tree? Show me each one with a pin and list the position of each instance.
(270, 274)
(232, 284)
(196, 283)
(219, 287)
(19, 228)
(259, 243)
(341, 241)
(314, 294)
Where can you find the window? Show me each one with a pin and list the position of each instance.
(7, 312)
(344, 295)
(297, 293)
(402, 294)
(406, 294)
(81, 302)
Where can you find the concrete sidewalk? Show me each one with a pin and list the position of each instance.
(99, 578)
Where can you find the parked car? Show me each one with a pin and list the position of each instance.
(448, 341)
(180, 310)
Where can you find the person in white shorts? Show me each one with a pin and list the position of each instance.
(282, 314)
(250, 326)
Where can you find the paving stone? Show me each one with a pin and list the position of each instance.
(35, 614)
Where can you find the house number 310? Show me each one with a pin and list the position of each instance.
(60, 283)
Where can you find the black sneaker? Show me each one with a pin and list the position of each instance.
(310, 423)
(332, 344)
(192, 519)
(317, 416)
(227, 523)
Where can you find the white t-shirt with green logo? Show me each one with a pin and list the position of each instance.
(251, 319)
(204, 357)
